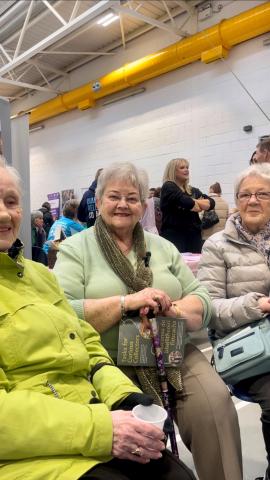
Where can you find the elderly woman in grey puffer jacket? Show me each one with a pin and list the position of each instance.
(235, 269)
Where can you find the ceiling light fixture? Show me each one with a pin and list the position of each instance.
(110, 21)
(123, 96)
(35, 129)
(107, 19)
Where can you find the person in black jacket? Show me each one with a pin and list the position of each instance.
(180, 205)
(47, 217)
(38, 238)
(87, 210)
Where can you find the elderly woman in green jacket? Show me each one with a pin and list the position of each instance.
(62, 400)
(116, 267)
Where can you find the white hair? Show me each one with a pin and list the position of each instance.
(261, 170)
(13, 172)
(124, 171)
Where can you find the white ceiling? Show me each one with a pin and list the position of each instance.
(42, 40)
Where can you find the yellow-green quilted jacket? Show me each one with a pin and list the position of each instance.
(50, 426)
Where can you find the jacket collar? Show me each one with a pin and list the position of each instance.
(230, 229)
(14, 255)
(15, 249)
(231, 234)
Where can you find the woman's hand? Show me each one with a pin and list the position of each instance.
(189, 308)
(54, 244)
(173, 311)
(196, 207)
(264, 304)
(148, 299)
(131, 435)
(203, 203)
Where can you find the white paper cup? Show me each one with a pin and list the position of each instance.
(153, 414)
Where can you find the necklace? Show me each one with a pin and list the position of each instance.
(122, 246)
(126, 250)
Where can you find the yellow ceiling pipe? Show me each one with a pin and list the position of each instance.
(207, 46)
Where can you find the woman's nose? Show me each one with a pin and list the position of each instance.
(253, 198)
(122, 201)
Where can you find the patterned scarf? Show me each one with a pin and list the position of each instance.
(260, 240)
(135, 280)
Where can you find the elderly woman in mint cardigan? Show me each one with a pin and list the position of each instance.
(115, 267)
(62, 400)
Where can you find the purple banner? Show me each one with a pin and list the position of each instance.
(54, 200)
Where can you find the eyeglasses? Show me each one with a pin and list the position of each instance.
(115, 198)
(245, 196)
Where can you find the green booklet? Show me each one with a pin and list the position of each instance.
(135, 346)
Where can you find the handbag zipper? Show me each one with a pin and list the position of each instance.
(221, 348)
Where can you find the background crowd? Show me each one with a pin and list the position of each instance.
(104, 275)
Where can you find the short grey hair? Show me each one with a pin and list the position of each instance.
(34, 215)
(261, 170)
(13, 172)
(124, 171)
(70, 208)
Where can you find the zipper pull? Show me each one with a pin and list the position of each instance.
(220, 351)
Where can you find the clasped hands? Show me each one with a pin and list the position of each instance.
(132, 439)
(150, 299)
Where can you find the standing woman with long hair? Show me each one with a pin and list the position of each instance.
(180, 204)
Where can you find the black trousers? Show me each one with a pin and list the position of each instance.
(185, 241)
(166, 468)
(258, 388)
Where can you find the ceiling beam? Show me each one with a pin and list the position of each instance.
(76, 23)
(48, 67)
(14, 83)
(3, 50)
(75, 9)
(42, 75)
(185, 5)
(122, 28)
(26, 70)
(65, 52)
(168, 12)
(143, 18)
(24, 28)
(131, 36)
(54, 12)
(12, 12)
(36, 20)
(116, 44)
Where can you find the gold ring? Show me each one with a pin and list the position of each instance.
(137, 452)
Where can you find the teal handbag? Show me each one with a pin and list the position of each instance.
(244, 353)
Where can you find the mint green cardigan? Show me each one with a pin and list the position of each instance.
(83, 272)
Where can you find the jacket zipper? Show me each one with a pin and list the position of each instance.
(51, 387)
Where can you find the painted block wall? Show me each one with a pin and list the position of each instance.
(197, 112)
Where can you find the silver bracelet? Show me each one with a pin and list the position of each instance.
(122, 307)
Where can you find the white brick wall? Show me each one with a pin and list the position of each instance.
(196, 112)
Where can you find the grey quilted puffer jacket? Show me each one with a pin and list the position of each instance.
(236, 275)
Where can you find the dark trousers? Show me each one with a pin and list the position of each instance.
(258, 388)
(185, 241)
(166, 468)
